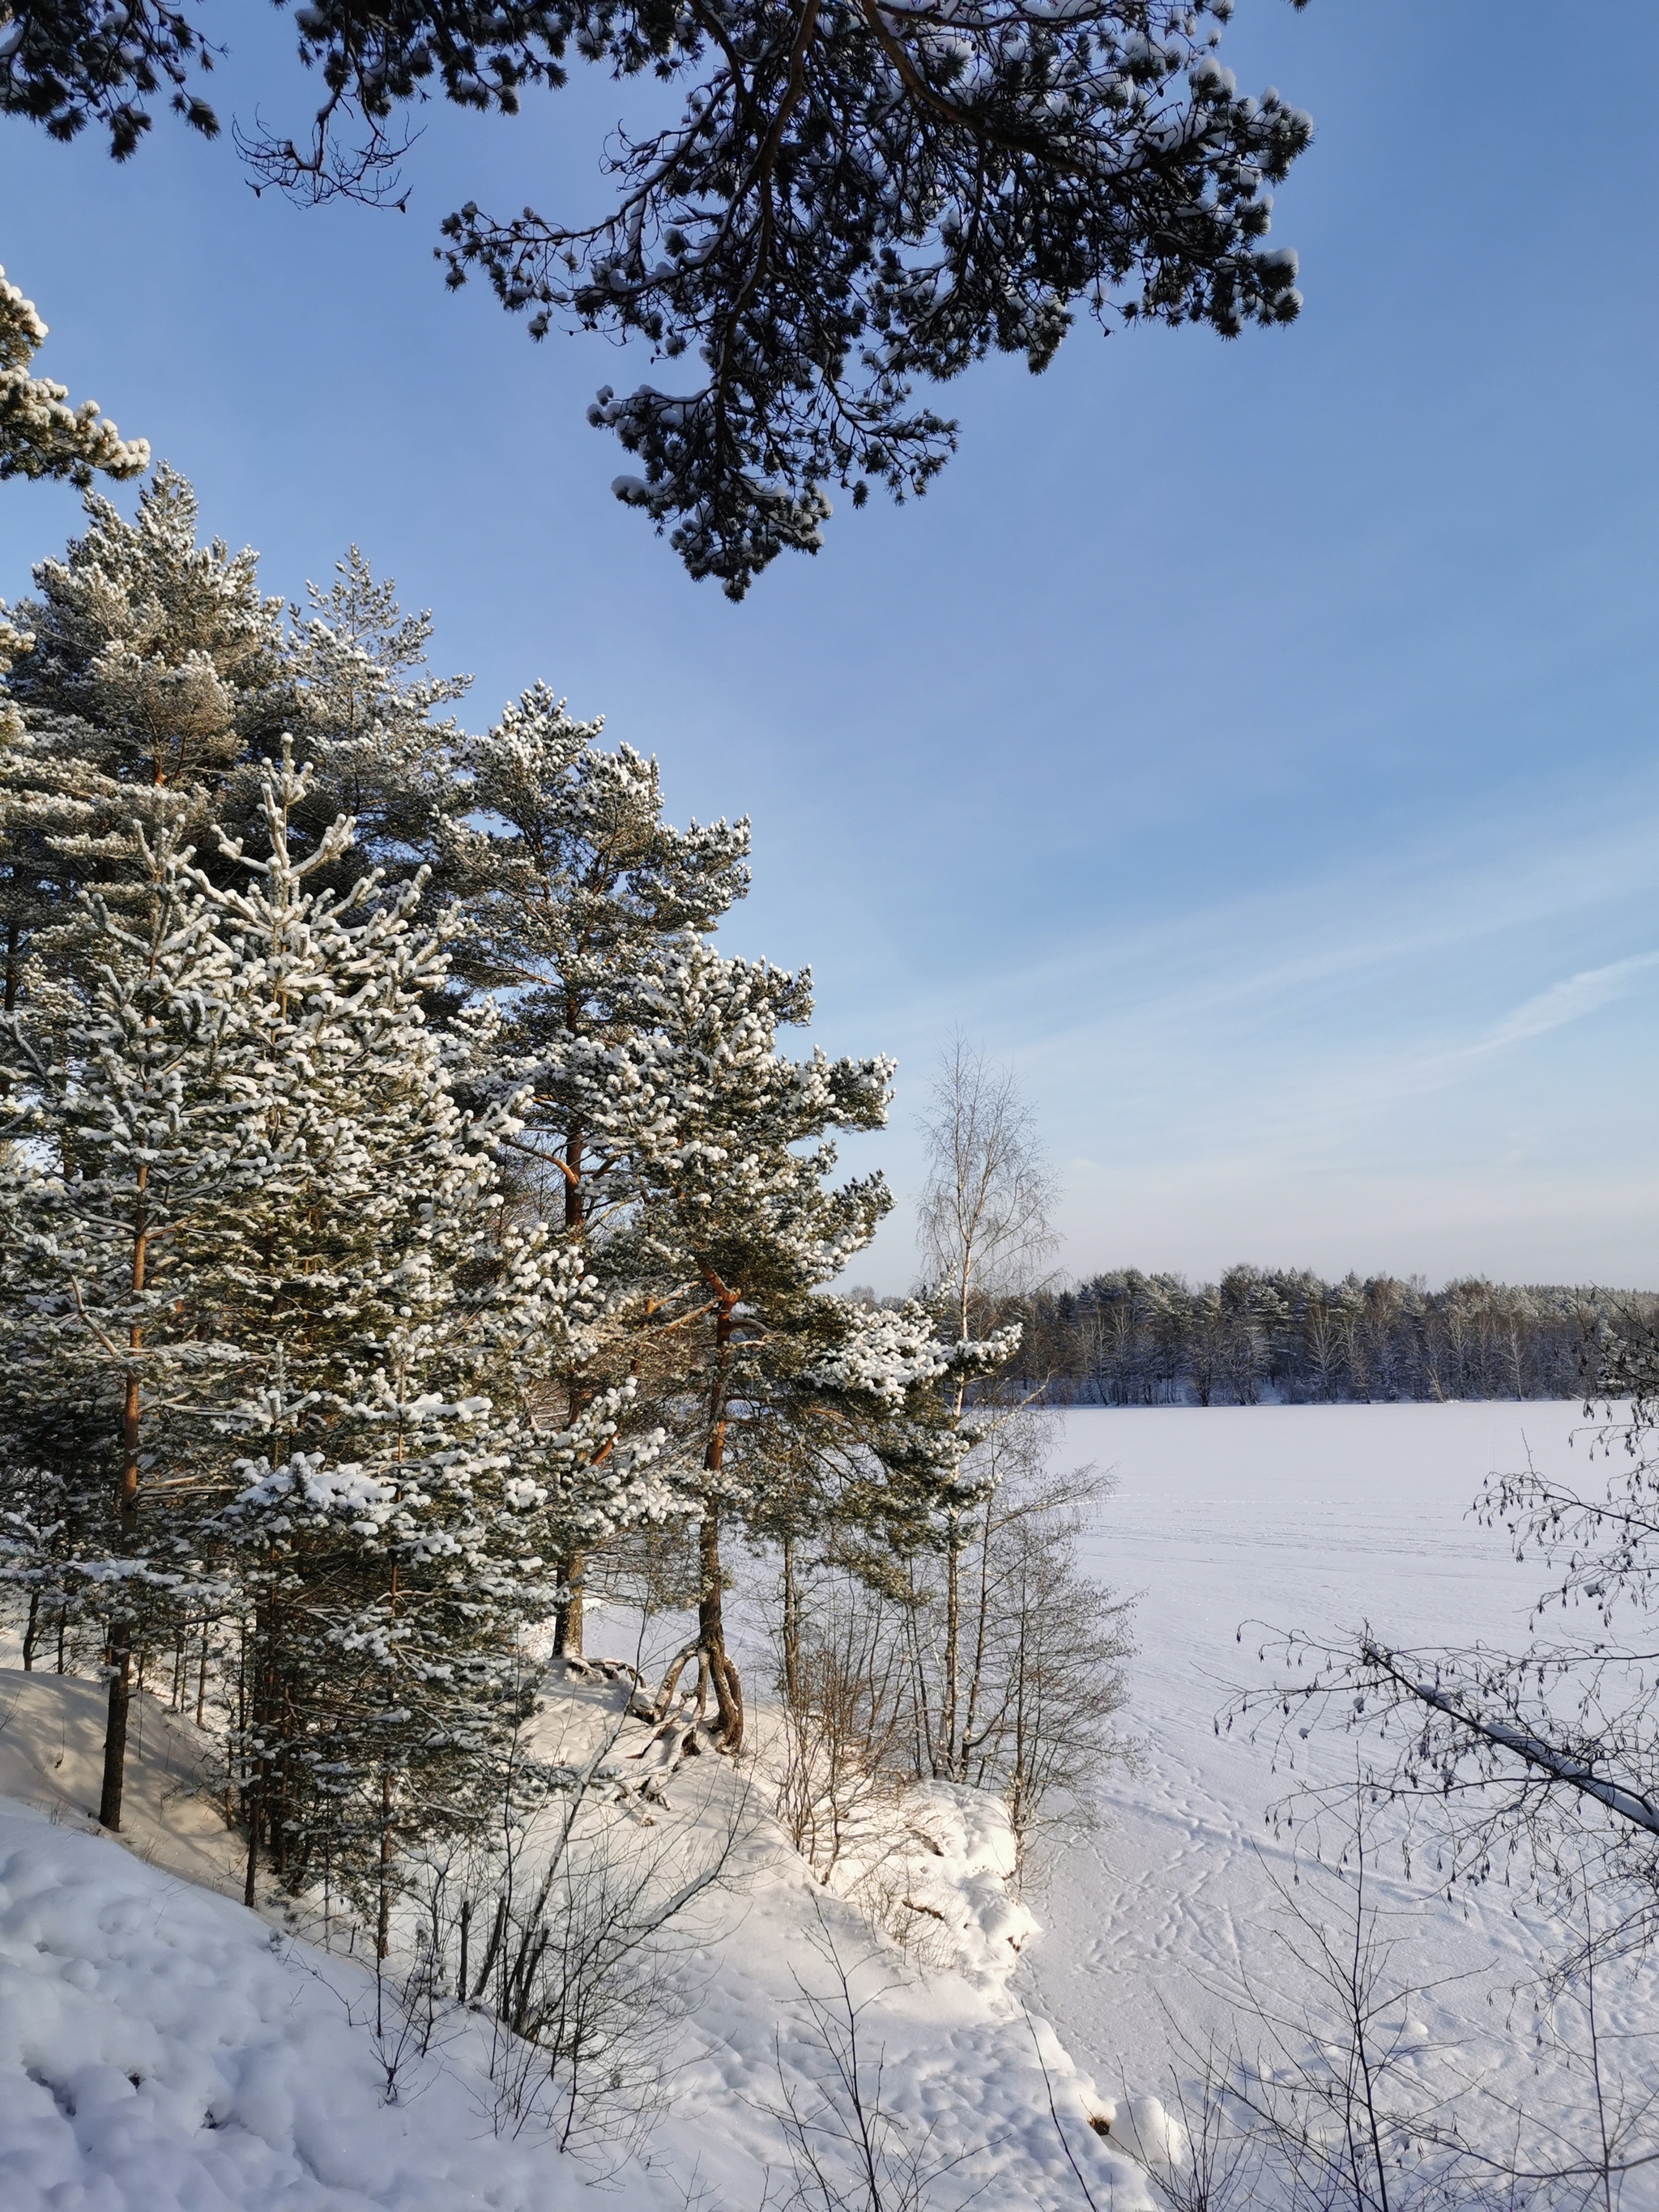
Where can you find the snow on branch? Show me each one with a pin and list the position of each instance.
(41, 434)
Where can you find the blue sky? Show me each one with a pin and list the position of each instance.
(1251, 742)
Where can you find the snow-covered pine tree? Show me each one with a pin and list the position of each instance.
(577, 893)
(128, 1158)
(735, 1237)
(399, 1481)
(19, 872)
(154, 661)
(586, 912)
(897, 1379)
(873, 1457)
(363, 717)
(13, 641)
(243, 1208)
(158, 679)
(40, 434)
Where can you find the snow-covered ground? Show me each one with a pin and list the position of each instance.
(161, 2047)
(1315, 1518)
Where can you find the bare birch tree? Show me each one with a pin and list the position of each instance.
(985, 1226)
(985, 1231)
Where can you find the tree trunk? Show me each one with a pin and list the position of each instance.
(115, 1727)
(921, 1685)
(711, 1623)
(573, 1569)
(254, 1810)
(713, 1665)
(31, 1631)
(947, 1719)
(120, 1631)
(791, 1628)
(568, 1620)
(252, 1708)
(982, 1631)
(383, 1913)
(711, 1632)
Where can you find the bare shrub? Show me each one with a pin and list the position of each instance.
(1332, 2096)
(844, 1752)
(585, 2000)
(1017, 1657)
(571, 1932)
(848, 2150)
(995, 1665)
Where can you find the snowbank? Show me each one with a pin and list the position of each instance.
(161, 2047)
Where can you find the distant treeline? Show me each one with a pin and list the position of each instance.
(1264, 1335)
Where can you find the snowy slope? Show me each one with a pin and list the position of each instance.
(259, 2078)
(158, 2049)
(160, 2046)
(51, 1741)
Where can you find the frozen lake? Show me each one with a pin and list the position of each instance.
(1311, 1517)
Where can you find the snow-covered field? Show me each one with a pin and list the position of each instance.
(160, 2047)
(1304, 1516)
(1317, 1518)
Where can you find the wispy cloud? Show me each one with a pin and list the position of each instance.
(1581, 994)
(1361, 1046)
(1456, 906)
(1342, 1024)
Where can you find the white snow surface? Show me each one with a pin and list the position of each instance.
(161, 2047)
(1317, 1518)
